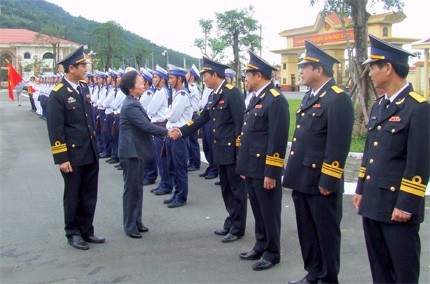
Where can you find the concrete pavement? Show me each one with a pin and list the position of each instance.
(179, 248)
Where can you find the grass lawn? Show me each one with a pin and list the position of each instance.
(357, 144)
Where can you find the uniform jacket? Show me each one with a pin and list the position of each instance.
(70, 125)
(225, 110)
(395, 167)
(264, 135)
(321, 141)
(136, 130)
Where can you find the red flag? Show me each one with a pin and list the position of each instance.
(30, 90)
(13, 79)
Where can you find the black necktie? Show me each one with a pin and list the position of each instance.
(80, 91)
(254, 99)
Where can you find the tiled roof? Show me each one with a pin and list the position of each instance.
(8, 36)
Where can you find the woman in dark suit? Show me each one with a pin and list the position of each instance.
(134, 147)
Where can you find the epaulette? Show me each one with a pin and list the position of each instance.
(337, 90)
(274, 92)
(417, 97)
(229, 86)
(59, 86)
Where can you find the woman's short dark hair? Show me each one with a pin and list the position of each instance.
(128, 81)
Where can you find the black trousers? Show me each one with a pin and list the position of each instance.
(235, 199)
(132, 199)
(393, 251)
(318, 225)
(80, 198)
(266, 207)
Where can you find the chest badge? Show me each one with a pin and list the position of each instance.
(395, 119)
(71, 100)
(221, 102)
(258, 106)
(316, 106)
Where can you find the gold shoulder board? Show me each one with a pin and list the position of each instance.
(274, 92)
(229, 86)
(337, 89)
(59, 86)
(417, 97)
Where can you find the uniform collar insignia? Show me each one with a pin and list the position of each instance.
(70, 90)
(399, 102)
(323, 94)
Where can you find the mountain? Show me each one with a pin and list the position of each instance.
(36, 14)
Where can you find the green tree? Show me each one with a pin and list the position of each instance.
(236, 29)
(141, 53)
(363, 88)
(52, 35)
(108, 42)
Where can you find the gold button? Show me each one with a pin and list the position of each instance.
(213, 107)
(292, 153)
(368, 177)
(247, 113)
(214, 119)
(392, 188)
(229, 144)
(379, 127)
(74, 108)
(298, 126)
(258, 155)
(393, 130)
(313, 114)
(241, 133)
(303, 114)
(294, 139)
(244, 123)
(255, 114)
(213, 130)
(73, 145)
(89, 126)
(371, 161)
(375, 143)
(214, 141)
(86, 115)
(220, 108)
(314, 166)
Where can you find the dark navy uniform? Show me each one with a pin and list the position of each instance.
(394, 174)
(72, 136)
(262, 150)
(317, 158)
(225, 109)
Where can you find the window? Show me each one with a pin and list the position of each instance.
(48, 55)
(27, 55)
(385, 31)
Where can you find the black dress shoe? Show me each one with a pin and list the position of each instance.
(108, 160)
(218, 182)
(148, 182)
(302, 281)
(143, 229)
(262, 264)
(77, 242)
(175, 204)
(134, 236)
(162, 192)
(250, 255)
(94, 239)
(203, 175)
(229, 238)
(154, 189)
(168, 201)
(113, 161)
(210, 177)
(193, 169)
(221, 232)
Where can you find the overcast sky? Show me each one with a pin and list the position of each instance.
(174, 24)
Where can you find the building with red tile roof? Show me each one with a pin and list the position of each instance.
(31, 53)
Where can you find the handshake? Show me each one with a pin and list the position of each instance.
(174, 133)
